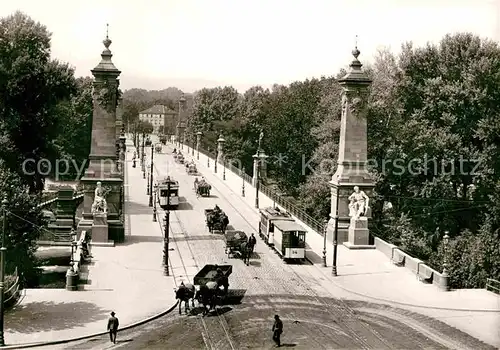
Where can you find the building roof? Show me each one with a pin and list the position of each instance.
(158, 109)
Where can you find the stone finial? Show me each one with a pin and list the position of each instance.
(107, 42)
(356, 75)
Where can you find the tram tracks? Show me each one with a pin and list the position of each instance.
(341, 309)
(217, 336)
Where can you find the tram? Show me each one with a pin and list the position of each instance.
(266, 225)
(168, 192)
(290, 240)
(278, 229)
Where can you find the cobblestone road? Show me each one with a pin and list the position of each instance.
(316, 314)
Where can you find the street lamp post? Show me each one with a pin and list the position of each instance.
(193, 138)
(154, 202)
(208, 158)
(224, 169)
(445, 275)
(2, 271)
(198, 140)
(166, 238)
(242, 171)
(336, 234)
(178, 136)
(216, 158)
(325, 230)
(257, 182)
(151, 178)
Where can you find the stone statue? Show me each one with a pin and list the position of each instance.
(358, 203)
(99, 205)
(261, 136)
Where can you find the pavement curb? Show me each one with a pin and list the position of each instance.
(71, 340)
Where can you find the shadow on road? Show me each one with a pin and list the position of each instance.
(49, 316)
(139, 239)
(184, 204)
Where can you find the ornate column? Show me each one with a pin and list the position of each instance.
(220, 149)
(103, 156)
(352, 159)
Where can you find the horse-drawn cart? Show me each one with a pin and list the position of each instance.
(191, 169)
(216, 220)
(236, 242)
(179, 158)
(209, 280)
(202, 188)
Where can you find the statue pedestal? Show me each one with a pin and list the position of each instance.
(100, 232)
(359, 235)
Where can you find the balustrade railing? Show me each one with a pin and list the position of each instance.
(493, 285)
(12, 293)
(286, 204)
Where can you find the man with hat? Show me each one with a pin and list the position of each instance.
(113, 327)
(277, 330)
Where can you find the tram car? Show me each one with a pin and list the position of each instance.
(168, 192)
(279, 230)
(266, 225)
(289, 240)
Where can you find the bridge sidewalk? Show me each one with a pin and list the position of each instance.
(369, 274)
(127, 279)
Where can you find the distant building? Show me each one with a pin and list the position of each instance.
(159, 116)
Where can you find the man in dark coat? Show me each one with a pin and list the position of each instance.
(277, 330)
(113, 327)
(251, 244)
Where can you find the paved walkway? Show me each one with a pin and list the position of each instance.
(127, 279)
(370, 275)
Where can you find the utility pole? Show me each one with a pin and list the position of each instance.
(2, 271)
(151, 178)
(166, 239)
(336, 235)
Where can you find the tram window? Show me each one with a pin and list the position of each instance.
(163, 193)
(173, 194)
(271, 227)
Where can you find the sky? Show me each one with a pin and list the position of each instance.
(193, 44)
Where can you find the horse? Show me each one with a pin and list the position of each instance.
(207, 297)
(184, 293)
(245, 252)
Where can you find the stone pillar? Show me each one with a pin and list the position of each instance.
(198, 141)
(103, 157)
(352, 159)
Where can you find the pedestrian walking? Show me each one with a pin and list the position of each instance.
(251, 244)
(277, 330)
(113, 327)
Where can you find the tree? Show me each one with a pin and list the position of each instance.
(31, 86)
(24, 221)
(144, 127)
(75, 132)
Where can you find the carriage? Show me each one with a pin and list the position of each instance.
(216, 220)
(206, 287)
(279, 230)
(202, 188)
(209, 281)
(158, 147)
(235, 241)
(191, 169)
(179, 158)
